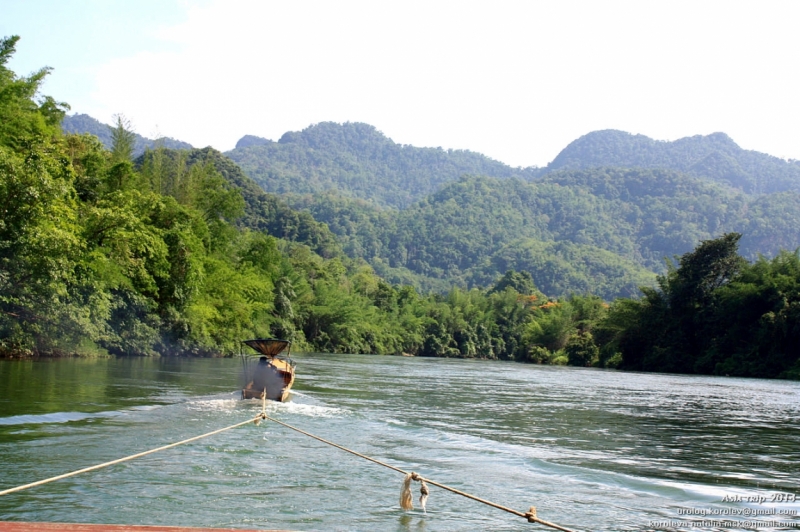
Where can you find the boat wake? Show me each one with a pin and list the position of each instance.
(308, 410)
(212, 405)
(56, 417)
(232, 403)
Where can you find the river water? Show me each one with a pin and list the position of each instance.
(591, 449)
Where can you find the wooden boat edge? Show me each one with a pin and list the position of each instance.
(25, 526)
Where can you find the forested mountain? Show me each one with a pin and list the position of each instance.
(601, 217)
(716, 157)
(263, 211)
(578, 228)
(358, 161)
(252, 140)
(83, 123)
(603, 230)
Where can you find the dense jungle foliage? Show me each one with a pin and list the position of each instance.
(101, 254)
(178, 251)
(262, 211)
(713, 313)
(600, 218)
(604, 231)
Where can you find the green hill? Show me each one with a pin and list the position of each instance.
(716, 157)
(602, 218)
(603, 230)
(358, 161)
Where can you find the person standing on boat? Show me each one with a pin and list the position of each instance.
(261, 375)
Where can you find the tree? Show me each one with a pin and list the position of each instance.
(39, 246)
(123, 140)
(702, 271)
(521, 282)
(39, 228)
(22, 118)
(582, 351)
(551, 326)
(672, 327)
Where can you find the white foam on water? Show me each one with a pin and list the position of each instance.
(55, 417)
(146, 407)
(67, 417)
(211, 405)
(697, 491)
(301, 408)
(310, 410)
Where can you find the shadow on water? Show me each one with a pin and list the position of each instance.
(56, 385)
(411, 523)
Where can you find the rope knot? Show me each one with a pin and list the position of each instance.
(259, 417)
(406, 501)
(531, 515)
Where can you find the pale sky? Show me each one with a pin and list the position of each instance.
(514, 80)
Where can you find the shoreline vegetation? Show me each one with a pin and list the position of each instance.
(177, 252)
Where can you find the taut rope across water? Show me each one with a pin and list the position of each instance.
(261, 415)
(529, 515)
(125, 459)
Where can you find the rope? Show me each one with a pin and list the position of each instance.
(529, 515)
(256, 420)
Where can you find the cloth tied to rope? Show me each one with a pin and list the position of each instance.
(406, 500)
(423, 494)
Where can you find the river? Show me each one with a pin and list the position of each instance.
(591, 449)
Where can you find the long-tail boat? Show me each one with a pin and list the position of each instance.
(273, 375)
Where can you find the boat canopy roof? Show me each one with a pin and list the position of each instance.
(268, 346)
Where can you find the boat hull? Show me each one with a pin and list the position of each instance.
(275, 380)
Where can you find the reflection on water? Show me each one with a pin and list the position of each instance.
(592, 450)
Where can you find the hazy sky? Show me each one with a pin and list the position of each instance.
(516, 81)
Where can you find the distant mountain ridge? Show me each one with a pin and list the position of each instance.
(357, 160)
(600, 218)
(252, 140)
(715, 156)
(83, 123)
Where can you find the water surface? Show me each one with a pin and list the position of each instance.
(591, 449)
